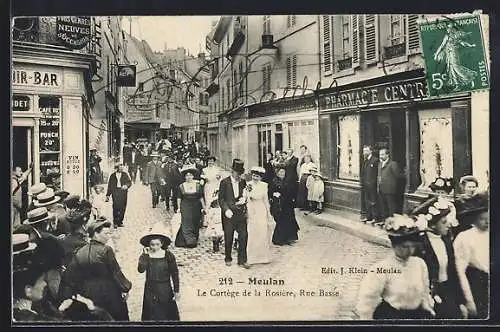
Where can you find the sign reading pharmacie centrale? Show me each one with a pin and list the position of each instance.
(386, 93)
(73, 31)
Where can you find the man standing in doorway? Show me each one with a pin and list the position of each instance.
(18, 177)
(118, 184)
(387, 184)
(369, 175)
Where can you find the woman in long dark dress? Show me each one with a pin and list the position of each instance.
(282, 209)
(192, 205)
(159, 303)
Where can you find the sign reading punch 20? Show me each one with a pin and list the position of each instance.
(454, 55)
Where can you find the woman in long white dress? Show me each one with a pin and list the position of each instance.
(259, 215)
(211, 176)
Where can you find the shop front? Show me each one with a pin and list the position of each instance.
(49, 108)
(283, 124)
(427, 137)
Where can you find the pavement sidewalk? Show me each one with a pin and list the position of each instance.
(348, 222)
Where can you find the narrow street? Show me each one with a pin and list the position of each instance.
(299, 266)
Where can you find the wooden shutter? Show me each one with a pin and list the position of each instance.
(371, 39)
(355, 40)
(288, 72)
(294, 71)
(294, 20)
(384, 26)
(413, 40)
(327, 44)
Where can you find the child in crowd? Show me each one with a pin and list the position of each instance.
(214, 222)
(315, 191)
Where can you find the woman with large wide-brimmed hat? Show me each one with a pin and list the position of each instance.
(192, 205)
(161, 290)
(472, 256)
(436, 249)
(398, 286)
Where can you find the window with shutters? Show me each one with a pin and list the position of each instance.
(228, 89)
(266, 29)
(222, 100)
(291, 71)
(327, 44)
(346, 37)
(290, 21)
(266, 78)
(398, 28)
(371, 39)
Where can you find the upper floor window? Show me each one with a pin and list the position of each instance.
(266, 78)
(398, 29)
(346, 37)
(141, 87)
(291, 21)
(266, 25)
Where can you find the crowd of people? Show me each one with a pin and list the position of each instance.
(439, 267)
(65, 269)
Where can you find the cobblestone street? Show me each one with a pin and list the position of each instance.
(201, 270)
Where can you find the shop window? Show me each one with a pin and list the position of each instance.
(50, 143)
(303, 133)
(348, 141)
(436, 145)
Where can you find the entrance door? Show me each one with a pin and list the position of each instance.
(21, 156)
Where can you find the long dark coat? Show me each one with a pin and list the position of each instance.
(94, 273)
(282, 210)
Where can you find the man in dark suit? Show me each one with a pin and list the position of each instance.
(118, 185)
(133, 162)
(388, 177)
(291, 176)
(127, 153)
(174, 180)
(155, 177)
(234, 216)
(369, 175)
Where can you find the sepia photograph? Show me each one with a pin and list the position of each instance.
(251, 168)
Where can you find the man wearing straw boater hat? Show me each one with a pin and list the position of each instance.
(118, 184)
(59, 225)
(34, 191)
(233, 210)
(49, 254)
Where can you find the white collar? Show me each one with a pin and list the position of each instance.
(433, 235)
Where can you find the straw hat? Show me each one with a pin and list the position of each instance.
(37, 189)
(48, 197)
(21, 243)
(37, 215)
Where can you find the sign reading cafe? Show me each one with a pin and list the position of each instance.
(73, 31)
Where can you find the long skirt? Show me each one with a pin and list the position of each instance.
(158, 303)
(302, 192)
(189, 232)
(449, 308)
(286, 227)
(385, 311)
(479, 284)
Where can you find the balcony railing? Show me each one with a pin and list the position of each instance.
(43, 31)
(394, 51)
(345, 64)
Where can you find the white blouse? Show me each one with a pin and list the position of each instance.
(472, 248)
(439, 247)
(305, 168)
(404, 285)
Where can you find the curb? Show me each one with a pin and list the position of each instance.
(333, 219)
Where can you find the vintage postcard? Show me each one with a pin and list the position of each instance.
(258, 168)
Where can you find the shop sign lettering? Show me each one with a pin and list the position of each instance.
(384, 93)
(20, 103)
(73, 165)
(73, 31)
(35, 78)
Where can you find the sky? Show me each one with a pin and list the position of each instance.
(176, 31)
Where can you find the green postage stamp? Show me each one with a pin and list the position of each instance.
(454, 52)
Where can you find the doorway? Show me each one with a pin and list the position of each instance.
(21, 156)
